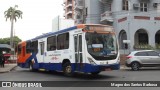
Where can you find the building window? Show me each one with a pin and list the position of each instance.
(143, 7)
(125, 5)
(86, 13)
(63, 41)
(143, 38)
(51, 43)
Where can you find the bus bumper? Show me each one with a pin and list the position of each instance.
(98, 68)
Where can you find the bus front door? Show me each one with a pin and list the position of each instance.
(78, 51)
(41, 52)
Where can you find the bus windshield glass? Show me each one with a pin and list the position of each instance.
(102, 46)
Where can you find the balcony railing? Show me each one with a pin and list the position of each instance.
(144, 0)
(79, 4)
(78, 21)
(69, 5)
(69, 12)
(105, 1)
(107, 16)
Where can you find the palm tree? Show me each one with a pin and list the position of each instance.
(12, 13)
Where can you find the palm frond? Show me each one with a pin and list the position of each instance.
(13, 13)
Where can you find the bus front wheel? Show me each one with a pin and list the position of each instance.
(67, 69)
(95, 73)
(31, 67)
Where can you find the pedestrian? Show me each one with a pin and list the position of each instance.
(3, 61)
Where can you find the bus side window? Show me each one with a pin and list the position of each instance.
(19, 49)
(28, 47)
(67, 41)
(34, 47)
(51, 43)
(24, 50)
(63, 41)
(60, 41)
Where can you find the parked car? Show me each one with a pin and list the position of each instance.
(143, 58)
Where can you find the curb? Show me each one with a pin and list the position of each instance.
(123, 67)
(12, 68)
(8, 70)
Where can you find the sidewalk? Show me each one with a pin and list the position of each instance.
(123, 67)
(7, 68)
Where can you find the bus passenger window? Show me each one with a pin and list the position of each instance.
(34, 46)
(19, 49)
(63, 41)
(24, 50)
(51, 43)
(28, 47)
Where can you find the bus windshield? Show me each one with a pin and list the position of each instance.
(102, 46)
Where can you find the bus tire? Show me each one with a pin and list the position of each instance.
(67, 69)
(95, 73)
(31, 67)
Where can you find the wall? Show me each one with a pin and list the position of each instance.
(93, 11)
(59, 23)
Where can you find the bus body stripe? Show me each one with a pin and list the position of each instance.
(54, 33)
(86, 69)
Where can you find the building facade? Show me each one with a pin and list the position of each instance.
(68, 9)
(60, 23)
(137, 21)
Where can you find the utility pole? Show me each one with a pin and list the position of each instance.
(58, 23)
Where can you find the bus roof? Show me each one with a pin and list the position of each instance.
(52, 33)
(65, 30)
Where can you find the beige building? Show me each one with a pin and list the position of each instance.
(69, 9)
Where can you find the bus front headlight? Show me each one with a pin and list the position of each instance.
(91, 61)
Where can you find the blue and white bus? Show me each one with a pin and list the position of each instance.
(81, 48)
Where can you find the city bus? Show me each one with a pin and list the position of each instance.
(82, 48)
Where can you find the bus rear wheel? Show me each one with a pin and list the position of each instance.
(67, 69)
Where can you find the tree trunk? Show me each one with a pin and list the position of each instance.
(11, 36)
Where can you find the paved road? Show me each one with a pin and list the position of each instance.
(19, 74)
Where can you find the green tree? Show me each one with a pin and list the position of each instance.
(16, 40)
(12, 13)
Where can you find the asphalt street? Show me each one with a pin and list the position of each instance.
(19, 74)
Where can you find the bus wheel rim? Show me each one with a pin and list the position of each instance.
(68, 69)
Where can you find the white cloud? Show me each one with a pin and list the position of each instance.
(37, 17)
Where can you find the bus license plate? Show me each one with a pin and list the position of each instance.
(103, 63)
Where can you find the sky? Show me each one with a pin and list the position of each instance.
(36, 19)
